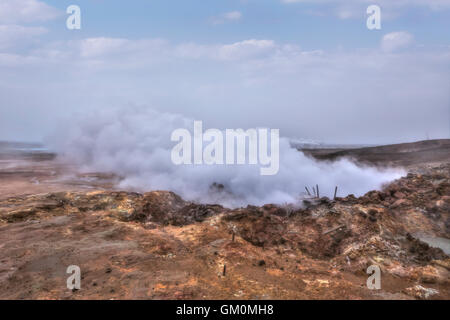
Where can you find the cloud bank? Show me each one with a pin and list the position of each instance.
(345, 9)
(26, 11)
(396, 40)
(396, 93)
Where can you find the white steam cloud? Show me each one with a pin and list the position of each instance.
(135, 144)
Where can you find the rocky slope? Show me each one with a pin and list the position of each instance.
(158, 246)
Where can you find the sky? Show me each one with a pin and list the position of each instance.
(310, 68)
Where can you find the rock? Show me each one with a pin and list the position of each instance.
(399, 195)
(422, 252)
(401, 203)
(324, 200)
(217, 243)
(399, 271)
(443, 263)
(19, 215)
(273, 209)
(420, 292)
(374, 196)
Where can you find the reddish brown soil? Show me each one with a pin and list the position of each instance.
(158, 246)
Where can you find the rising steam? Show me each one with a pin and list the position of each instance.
(135, 144)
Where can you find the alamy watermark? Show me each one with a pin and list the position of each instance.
(73, 22)
(74, 281)
(374, 281)
(209, 147)
(374, 19)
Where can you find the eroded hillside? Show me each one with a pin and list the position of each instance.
(158, 246)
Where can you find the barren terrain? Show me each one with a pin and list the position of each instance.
(157, 246)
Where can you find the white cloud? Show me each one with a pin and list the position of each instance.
(242, 50)
(95, 47)
(345, 13)
(233, 15)
(26, 11)
(14, 35)
(429, 3)
(396, 41)
(112, 52)
(9, 60)
(227, 17)
(245, 49)
(345, 9)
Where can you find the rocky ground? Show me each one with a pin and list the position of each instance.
(157, 246)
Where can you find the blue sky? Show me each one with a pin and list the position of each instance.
(309, 24)
(308, 67)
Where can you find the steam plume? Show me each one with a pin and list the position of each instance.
(135, 144)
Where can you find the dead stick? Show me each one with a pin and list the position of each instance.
(335, 192)
(224, 269)
(318, 194)
(232, 238)
(308, 191)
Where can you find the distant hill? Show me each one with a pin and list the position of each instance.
(404, 154)
(24, 150)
